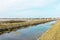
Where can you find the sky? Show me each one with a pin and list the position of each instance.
(29, 8)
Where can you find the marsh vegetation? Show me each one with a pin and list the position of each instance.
(13, 25)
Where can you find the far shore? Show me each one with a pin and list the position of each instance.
(7, 26)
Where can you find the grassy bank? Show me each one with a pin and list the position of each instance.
(12, 25)
(53, 33)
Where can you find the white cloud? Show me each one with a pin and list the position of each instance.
(11, 6)
(23, 4)
(5, 4)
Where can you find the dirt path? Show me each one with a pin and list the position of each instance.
(53, 33)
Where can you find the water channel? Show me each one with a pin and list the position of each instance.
(30, 33)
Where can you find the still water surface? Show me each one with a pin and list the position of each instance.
(31, 33)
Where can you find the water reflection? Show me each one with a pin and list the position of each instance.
(31, 33)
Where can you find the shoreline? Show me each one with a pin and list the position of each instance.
(52, 34)
(15, 26)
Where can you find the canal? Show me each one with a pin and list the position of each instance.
(30, 33)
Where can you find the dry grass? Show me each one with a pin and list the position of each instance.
(13, 26)
(52, 34)
(8, 25)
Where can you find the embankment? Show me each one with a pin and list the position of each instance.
(53, 33)
(7, 27)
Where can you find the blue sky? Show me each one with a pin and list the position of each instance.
(29, 8)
